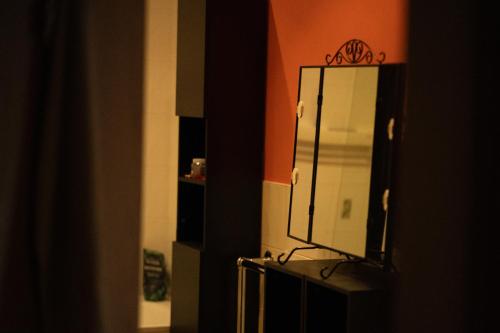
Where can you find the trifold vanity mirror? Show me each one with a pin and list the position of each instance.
(346, 127)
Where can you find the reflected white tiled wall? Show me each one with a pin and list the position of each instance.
(159, 205)
(275, 202)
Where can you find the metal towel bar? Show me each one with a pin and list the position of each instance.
(249, 307)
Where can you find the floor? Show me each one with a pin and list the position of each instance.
(154, 316)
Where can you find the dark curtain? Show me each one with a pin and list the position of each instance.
(70, 156)
(447, 185)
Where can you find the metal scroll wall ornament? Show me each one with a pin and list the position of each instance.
(354, 51)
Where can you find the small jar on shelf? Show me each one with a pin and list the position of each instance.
(198, 168)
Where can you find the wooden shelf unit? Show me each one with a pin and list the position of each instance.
(355, 299)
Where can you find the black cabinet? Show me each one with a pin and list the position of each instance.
(355, 299)
(191, 57)
(186, 272)
(220, 102)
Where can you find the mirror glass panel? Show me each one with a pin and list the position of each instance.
(304, 153)
(345, 158)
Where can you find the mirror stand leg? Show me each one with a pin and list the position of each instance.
(282, 262)
(325, 275)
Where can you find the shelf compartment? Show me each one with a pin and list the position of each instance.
(193, 181)
(192, 144)
(190, 216)
(324, 308)
(283, 302)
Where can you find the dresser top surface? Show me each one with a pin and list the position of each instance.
(347, 278)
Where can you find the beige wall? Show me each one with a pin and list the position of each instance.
(161, 144)
(159, 205)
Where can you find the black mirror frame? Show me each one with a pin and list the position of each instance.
(389, 105)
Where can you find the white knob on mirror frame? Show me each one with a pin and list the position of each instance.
(300, 109)
(385, 200)
(295, 176)
(390, 129)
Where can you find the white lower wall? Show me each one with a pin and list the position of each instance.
(275, 203)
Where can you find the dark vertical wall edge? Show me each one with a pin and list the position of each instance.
(438, 226)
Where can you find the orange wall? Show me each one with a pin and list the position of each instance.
(302, 32)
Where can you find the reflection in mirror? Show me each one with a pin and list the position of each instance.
(344, 158)
(304, 153)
